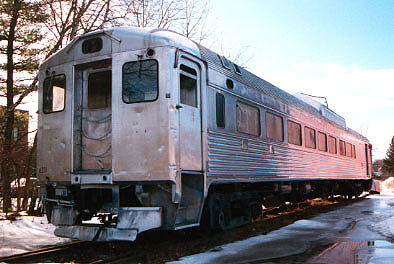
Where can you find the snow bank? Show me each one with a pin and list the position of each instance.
(387, 185)
(385, 227)
(25, 234)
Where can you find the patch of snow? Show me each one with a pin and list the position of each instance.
(26, 233)
(387, 186)
(385, 227)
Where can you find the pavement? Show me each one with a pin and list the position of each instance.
(356, 234)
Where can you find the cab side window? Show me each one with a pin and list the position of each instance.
(188, 85)
(54, 93)
(140, 81)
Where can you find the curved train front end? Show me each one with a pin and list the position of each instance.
(108, 136)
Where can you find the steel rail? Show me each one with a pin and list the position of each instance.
(28, 256)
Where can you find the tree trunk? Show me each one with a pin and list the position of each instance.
(6, 166)
(28, 173)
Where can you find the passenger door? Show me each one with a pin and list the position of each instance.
(93, 120)
(190, 115)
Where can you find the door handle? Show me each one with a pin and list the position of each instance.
(178, 106)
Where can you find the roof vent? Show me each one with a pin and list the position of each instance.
(225, 62)
(237, 69)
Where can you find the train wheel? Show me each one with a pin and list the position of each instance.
(220, 212)
(222, 216)
(326, 191)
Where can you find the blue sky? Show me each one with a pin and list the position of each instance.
(347, 31)
(341, 49)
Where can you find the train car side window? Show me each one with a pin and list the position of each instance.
(349, 150)
(274, 126)
(322, 139)
(248, 119)
(294, 133)
(220, 110)
(140, 81)
(342, 148)
(332, 145)
(188, 85)
(310, 137)
(354, 151)
(54, 93)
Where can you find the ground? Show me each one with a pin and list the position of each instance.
(27, 233)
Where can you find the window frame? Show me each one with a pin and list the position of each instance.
(282, 126)
(354, 155)
(288, 130)
(305, 137)
(319, 133)
(157, 81)
(230, 84)
(344, 149)
(191, 73)
(336, 145)
(348, 145)
(223, 109)
(258, 116)
(44, 109)
(86, 48)
(90, 93)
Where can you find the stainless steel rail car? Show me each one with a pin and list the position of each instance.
(142, 129)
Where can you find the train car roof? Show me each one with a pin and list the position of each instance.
(214, 60)
(127, 39)
(144, 37)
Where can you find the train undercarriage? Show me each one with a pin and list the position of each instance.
(231, 205)
(104, 214)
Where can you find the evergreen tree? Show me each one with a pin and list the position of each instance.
(388, 162)
(20, 33)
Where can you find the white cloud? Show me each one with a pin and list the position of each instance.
(364, 97)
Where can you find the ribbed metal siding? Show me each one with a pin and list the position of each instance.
(228, 162)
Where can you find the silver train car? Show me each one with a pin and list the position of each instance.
(145, 129)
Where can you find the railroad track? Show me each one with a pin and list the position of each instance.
(43, 253)
(163, 246)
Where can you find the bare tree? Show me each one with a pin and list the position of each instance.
(187, 17)
(194, 20)
(241, 57)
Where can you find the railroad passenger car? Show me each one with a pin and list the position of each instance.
(143, 129)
